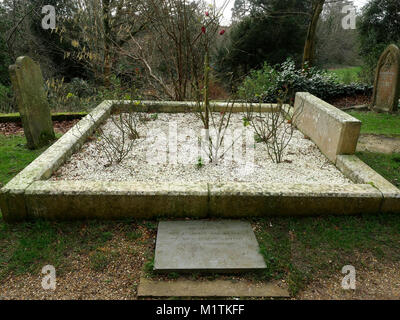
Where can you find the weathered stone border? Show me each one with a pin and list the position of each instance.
(332, 130)
(116, 199)
(186, 106)
(252, 199)
(210, 289)
(30, 196)
(359, 172)
(12, 196)
(110, 200)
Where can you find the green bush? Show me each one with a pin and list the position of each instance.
(80, 87)
(260, 37)
(80, 95)
(269, 84)
(347, 75)
(378, 26)
(5, 60)
(6, 100)
(76, 95)
(259, 82)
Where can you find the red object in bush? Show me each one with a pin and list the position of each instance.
(207, 14)
(222, 32)
(203, 29)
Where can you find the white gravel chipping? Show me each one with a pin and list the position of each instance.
(155, 159)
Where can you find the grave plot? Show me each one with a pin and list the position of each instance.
(168, 150)
(317, 175)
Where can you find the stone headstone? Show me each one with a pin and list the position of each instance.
(28, 86)
(207, 246)
(387, 81)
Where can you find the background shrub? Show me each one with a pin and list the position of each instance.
(6, 100)
(378, 27)
(81, 95)
(269, 83)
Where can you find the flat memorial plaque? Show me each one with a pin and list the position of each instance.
(207, 246)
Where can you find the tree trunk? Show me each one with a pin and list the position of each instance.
(107, 66)
(309, 47)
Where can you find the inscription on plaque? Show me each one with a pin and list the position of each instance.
(207, 246)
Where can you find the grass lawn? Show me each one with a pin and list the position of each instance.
(347, 75)
(295, 249)
(14, 156)
(387, 165)
(310, 248)
(378, 123)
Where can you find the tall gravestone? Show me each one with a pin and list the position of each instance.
(28, 86)
(387, 81)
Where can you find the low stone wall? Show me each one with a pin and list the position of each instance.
(69, 200)
(30, 195)
(251, 199)
(332, 130)
(12, 199)
(359, 172)
(188, 106)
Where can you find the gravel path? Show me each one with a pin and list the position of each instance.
(378, 143)
(155, 159)
(76, 279)
(375, 280)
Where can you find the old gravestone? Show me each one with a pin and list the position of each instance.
(207, 246)
(28, 86)
(387, 81)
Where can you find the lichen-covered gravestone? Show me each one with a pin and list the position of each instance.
(387, 81)
(28, 86)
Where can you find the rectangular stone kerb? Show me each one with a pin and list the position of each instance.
(12, 196)
(332, 130)
(29, 194)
